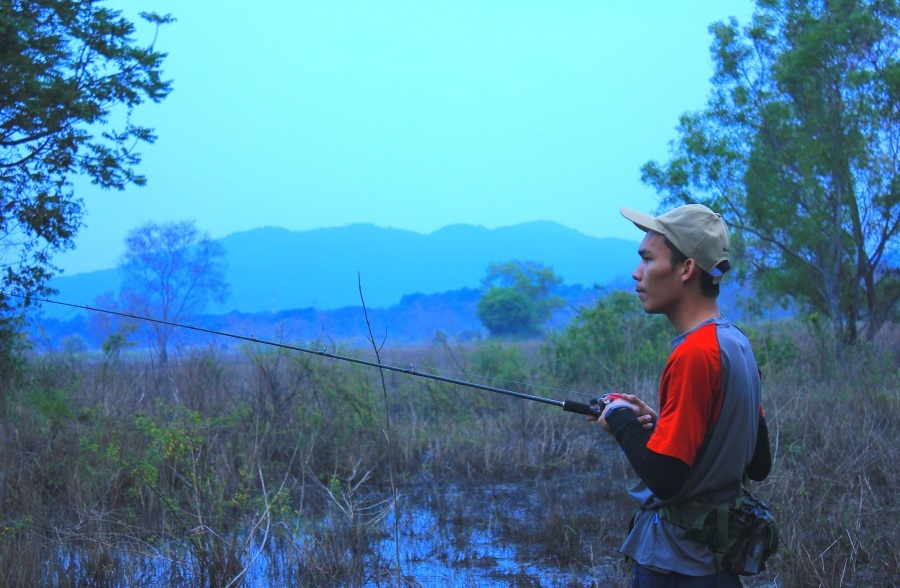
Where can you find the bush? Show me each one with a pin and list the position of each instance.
(613, 345)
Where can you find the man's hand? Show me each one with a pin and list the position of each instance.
(645, 415)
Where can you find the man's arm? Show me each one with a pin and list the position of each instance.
(664, 475)
(761, 463)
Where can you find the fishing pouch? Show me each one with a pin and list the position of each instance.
(742, 533)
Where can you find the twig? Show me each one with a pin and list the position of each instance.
(386, 431)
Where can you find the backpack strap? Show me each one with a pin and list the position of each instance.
(694, 516)
(722, 541)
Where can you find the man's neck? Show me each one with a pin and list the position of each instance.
(689, 316)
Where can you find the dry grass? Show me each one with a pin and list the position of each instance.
(114, 473)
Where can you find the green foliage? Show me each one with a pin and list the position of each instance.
(44, 404)
(517, 298)
(117, 341)
(12, 342)
(797, 148)
(342, 403)
(773, 345)
(501, 361)
(53, 407)
(533, 279)
(506, 312)
(610, 345)
(42, 394)
(65, 68)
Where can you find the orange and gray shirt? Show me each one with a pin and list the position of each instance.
(710, 415)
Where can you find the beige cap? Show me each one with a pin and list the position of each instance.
(693, 229)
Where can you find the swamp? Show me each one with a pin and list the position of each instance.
(260, 466)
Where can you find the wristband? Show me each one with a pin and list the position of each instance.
(612, 410)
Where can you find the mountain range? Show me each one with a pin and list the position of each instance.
(305, 285)
(273, 270)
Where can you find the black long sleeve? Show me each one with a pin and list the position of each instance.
(664, 475)
(761, 463)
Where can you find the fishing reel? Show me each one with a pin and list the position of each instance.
(598, 405)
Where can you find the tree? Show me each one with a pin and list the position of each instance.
(171, 272)
(507, 311)
(517, 298)
(799, 147)
(65, 67)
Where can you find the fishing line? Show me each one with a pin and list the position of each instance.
(396, 362)
(594, 408)
(466, 374)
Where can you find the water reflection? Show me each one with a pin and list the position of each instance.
(462, 535)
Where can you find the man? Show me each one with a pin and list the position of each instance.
(710, 430)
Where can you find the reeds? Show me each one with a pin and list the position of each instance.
(260, 466)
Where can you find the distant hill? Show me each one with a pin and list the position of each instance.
(302, 285)
(272, 270)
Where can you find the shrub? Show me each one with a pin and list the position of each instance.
(609, 346)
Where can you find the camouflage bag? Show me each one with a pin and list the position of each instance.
(742, 533)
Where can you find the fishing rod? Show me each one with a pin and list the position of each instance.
(594, 408)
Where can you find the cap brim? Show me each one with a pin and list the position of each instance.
(643, 221)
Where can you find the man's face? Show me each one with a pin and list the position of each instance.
(658, 283)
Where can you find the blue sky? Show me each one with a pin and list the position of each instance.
(408, 114)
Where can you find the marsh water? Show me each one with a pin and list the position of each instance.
(523, 534)
(471, 535)
(467, 540)
(488, 534)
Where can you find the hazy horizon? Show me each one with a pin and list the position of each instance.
(407, 115)
(635, 237)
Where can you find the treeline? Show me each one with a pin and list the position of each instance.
(220, 469)
(414, 319)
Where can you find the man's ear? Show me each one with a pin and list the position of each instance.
(690, 269)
